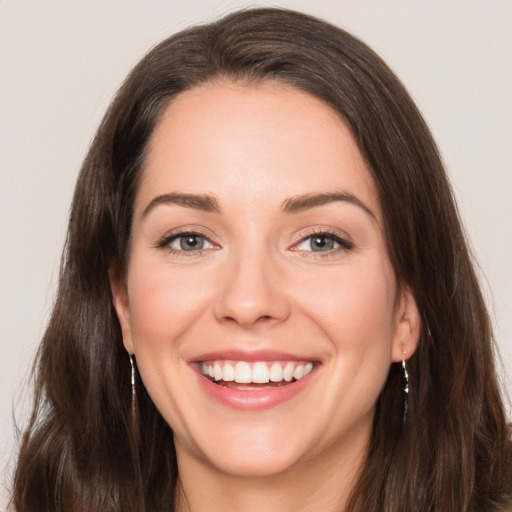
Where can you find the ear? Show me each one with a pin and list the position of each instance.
(407, 326)
(122, 306)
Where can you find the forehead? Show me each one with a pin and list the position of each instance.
(260, 141)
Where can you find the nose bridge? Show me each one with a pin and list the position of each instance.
(251, 289)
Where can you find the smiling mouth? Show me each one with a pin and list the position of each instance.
(254, 375)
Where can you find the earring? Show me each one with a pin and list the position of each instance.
(132, 381)
(406, 387)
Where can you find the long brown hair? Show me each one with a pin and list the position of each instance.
(83, 451)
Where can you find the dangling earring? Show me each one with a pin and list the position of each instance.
(132, 381)
(406, 387)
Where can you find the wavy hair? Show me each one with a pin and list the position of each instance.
(84, 451)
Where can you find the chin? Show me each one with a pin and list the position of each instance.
(254, 464)
(246, 451)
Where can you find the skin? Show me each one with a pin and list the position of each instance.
(258, 285)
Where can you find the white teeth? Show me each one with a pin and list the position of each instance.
(228, 373)
(288, 372)
(299, 372)
(260, 373)
(276, 373)
(217, 371)
(243, 373)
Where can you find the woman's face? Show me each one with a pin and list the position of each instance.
(260, 301)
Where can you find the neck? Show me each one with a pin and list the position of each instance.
(323, 484)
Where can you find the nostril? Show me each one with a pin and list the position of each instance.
(230, 318)
(250, 321)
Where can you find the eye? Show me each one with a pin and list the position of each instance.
(188, 242)
(323, 242)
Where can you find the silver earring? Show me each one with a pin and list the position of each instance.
(406, 387)
(132, 381)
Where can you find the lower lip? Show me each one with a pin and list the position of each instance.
(253, 400)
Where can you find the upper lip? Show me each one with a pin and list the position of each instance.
(249, 355)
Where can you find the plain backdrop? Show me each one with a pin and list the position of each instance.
(61, 62)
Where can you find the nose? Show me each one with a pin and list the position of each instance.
(252, 293)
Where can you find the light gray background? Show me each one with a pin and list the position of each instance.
(61, 62)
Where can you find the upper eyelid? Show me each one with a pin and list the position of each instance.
(198, 230)
(312, 231)
(177, 234)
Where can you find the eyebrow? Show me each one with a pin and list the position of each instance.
(203, 202)
(208, 203)
(307, 201)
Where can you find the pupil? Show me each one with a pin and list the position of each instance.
(322, 243)
(191, 242)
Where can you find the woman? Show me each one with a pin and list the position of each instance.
(266, 299)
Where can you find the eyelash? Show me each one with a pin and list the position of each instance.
(344, 243)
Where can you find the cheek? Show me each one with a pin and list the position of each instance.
(354, 306)
(165, 302)
(357, 316)
(166, 308)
